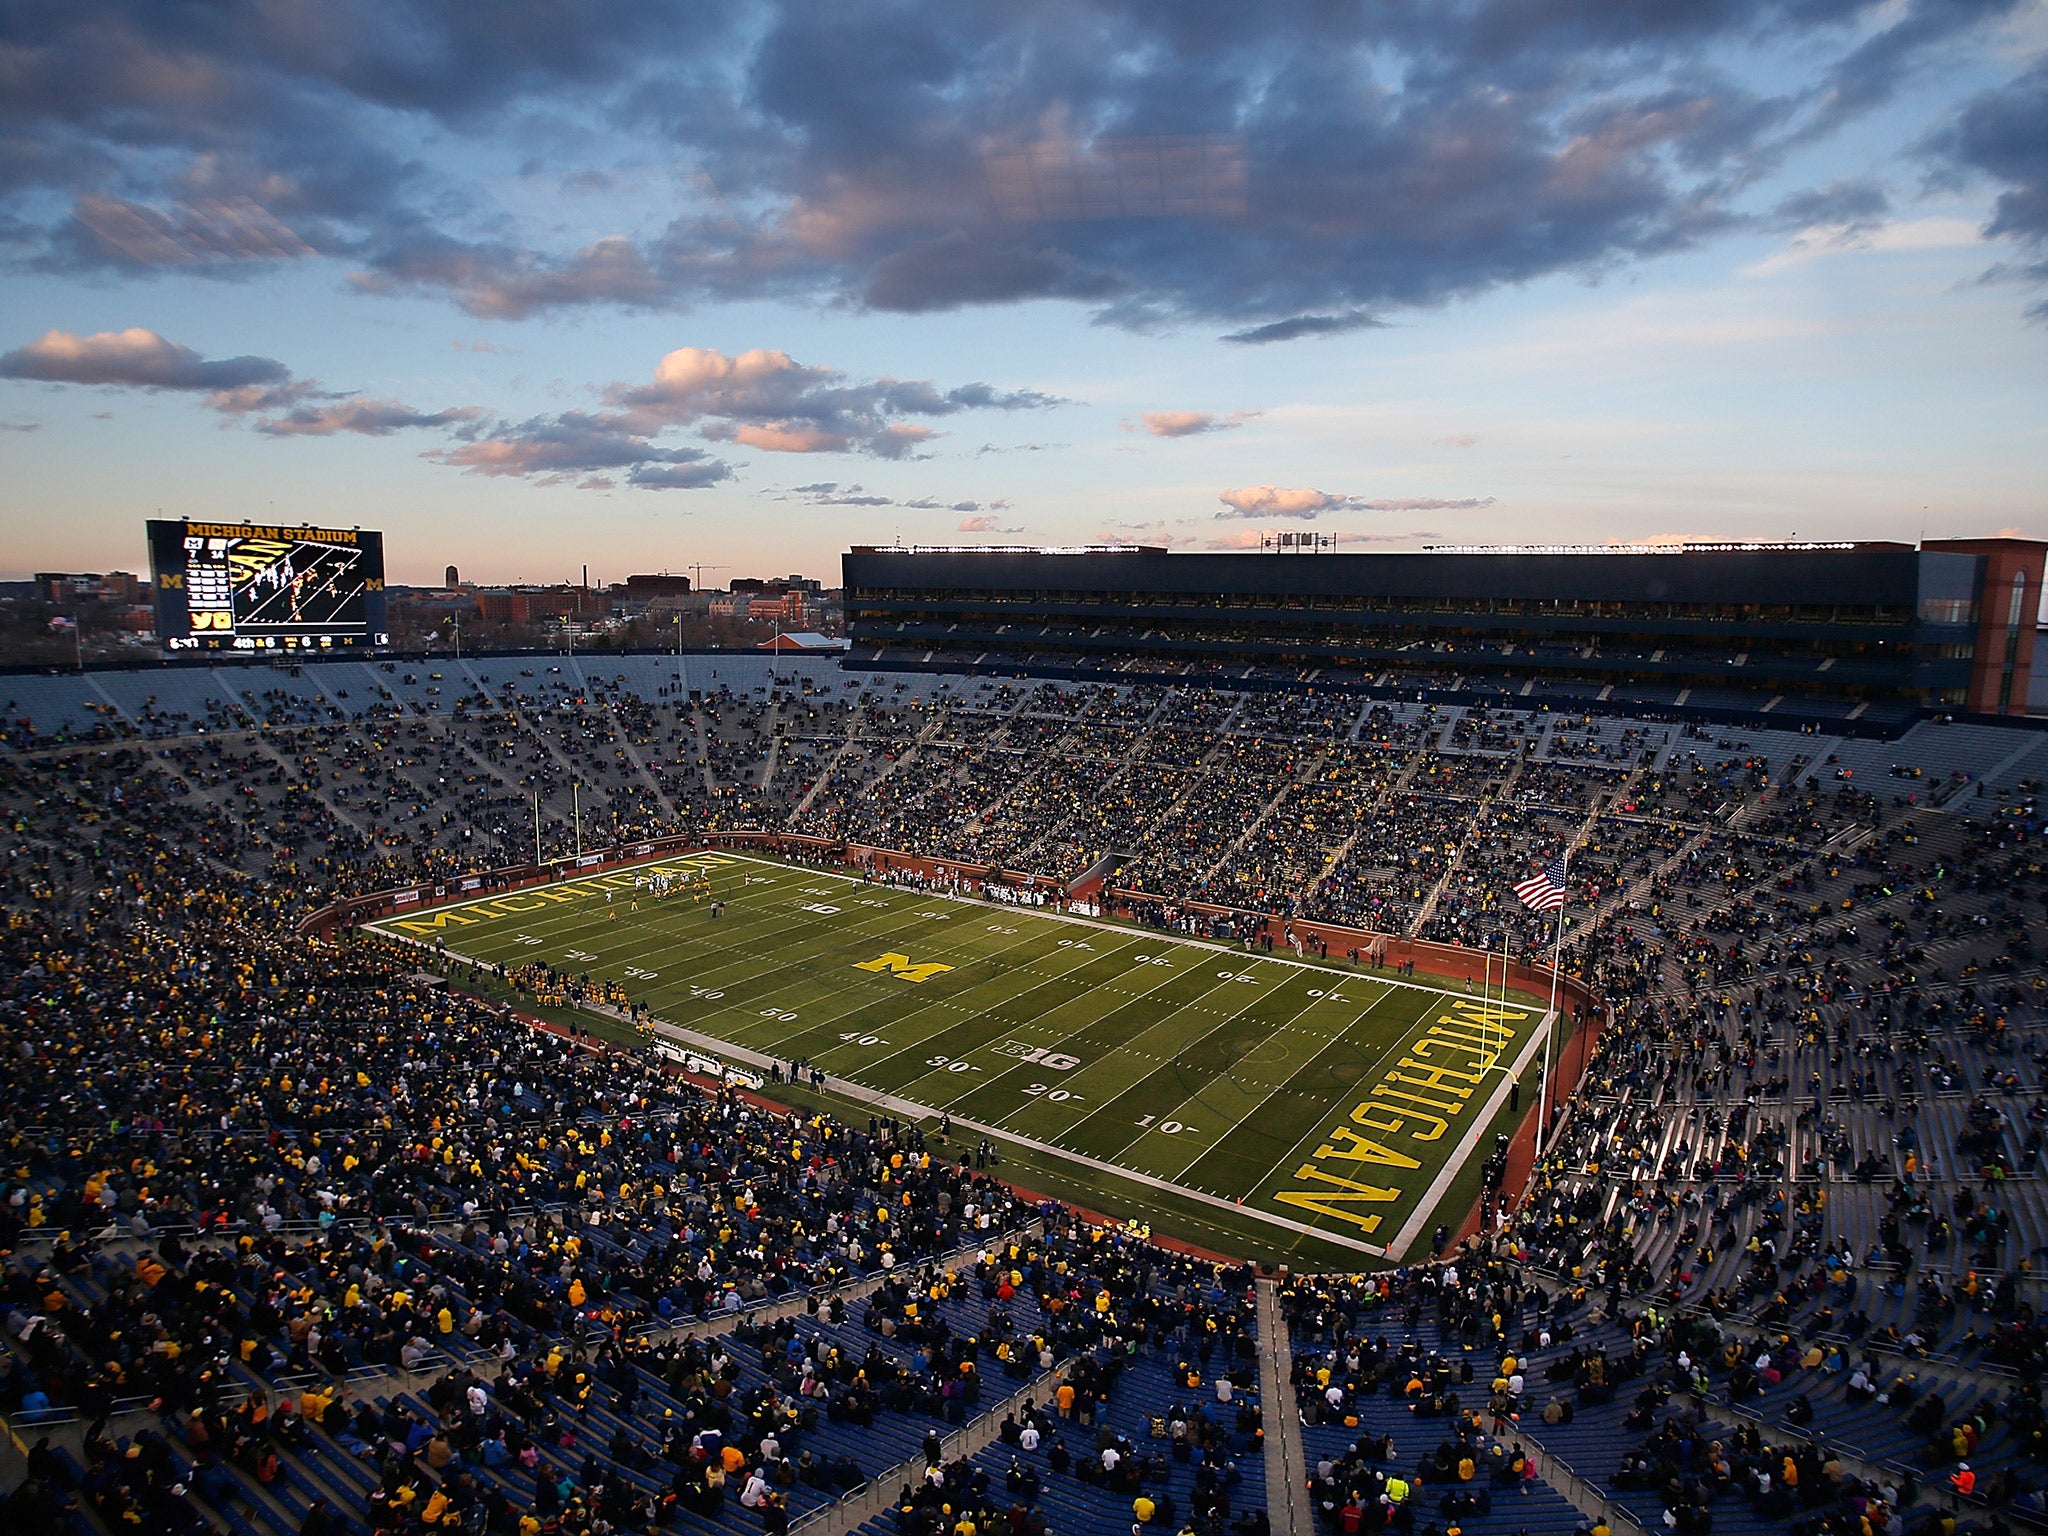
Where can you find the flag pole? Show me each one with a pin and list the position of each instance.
(1485, 987)
(1486, 999)
(1550, 1024)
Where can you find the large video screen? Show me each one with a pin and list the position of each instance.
(257, 587)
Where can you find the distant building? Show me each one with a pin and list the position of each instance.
(528, 605)
(802, 641)
(641, 588)
(451, 578)
(789, 608)
(504, 605)
(88, 586)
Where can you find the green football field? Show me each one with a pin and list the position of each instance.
(1299, 1109)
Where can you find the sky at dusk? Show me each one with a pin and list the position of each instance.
(539, 284)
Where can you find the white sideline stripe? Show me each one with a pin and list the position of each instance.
(1426, 1207)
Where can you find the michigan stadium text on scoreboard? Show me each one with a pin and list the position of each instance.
(258, 587)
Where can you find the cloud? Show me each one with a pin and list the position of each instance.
(2002, 135)
(1820, 240)
(830, 493)
(1295, 327)
(1278, 172)
(368, 418)
(1458, 440)
(552, 450)
(260, 390)
(760, 399)
(675, 476)
(1278, 501)
(504, 283)
(1870, 74)
(986, 523)
(1189, 423)
(1840, 204)
(1127, 177)
(134, 359)
(1264, 501)
(767, 400)
(202, 233)
(1155, 532)
(1421, 504)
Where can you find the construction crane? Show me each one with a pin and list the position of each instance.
(697, 574)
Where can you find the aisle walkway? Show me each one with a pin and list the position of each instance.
(1287, 1500)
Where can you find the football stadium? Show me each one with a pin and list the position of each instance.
(1260, 1080)
(901, 768)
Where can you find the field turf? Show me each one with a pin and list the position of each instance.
(1212, 1092)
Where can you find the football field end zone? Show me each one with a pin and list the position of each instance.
(1444, 1175)
(1426, 1208)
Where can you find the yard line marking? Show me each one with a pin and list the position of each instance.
(1266, 1096)
(1223, 1023)
(1316, 1125)
(1071, 1035)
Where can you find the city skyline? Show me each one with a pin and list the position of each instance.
(632, 286)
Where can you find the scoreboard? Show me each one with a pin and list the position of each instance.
(255, 587)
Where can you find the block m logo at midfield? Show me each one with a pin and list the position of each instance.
(900, 966)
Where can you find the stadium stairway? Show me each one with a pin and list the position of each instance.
(1288, 1506)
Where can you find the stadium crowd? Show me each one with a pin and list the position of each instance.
(1778, 1256)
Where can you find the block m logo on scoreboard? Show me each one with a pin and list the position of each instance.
(901, 966)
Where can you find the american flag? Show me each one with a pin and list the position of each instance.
(1545, 890)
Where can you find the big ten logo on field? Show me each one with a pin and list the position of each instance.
(1038, 1056)
(1409, 1110)
(901, 967)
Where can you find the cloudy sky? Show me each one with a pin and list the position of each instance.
(637, 284)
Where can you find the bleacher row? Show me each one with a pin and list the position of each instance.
(625, 1423)
(45, 709)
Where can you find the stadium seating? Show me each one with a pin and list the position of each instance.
(1812, 1129)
